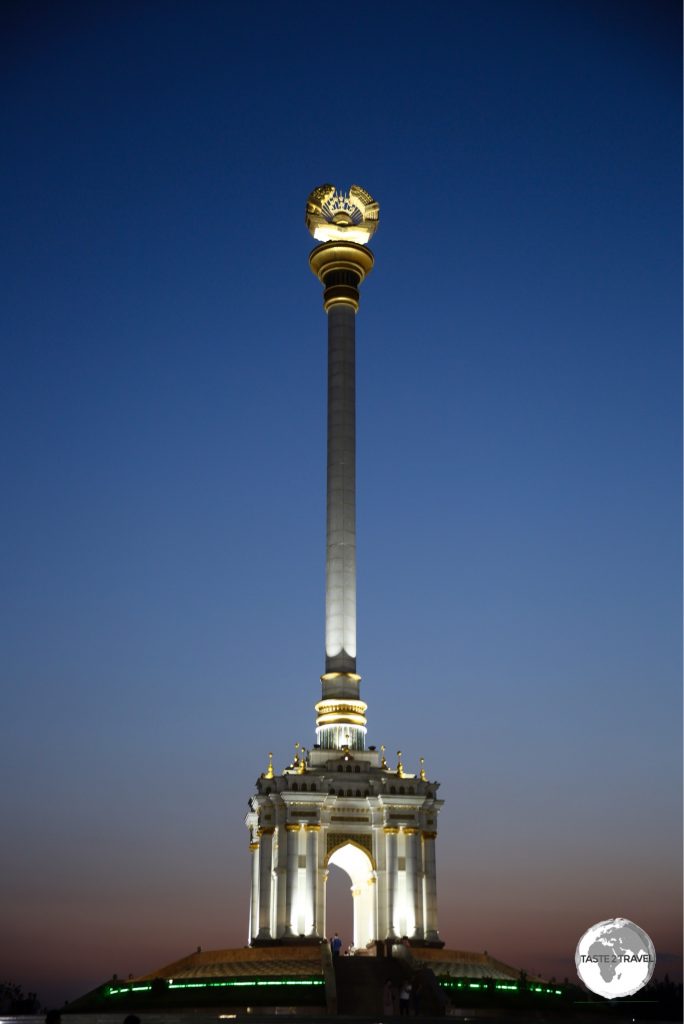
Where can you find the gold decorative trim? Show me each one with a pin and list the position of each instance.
(254, 846)
(390, 830)
(341, 256)
(265, 830)
(291, 826)
(410, 831)
(340, 711)
(331, 262)
(312, 828)
(341, 704)
(429, 835)
(341, 718)
(329, 676)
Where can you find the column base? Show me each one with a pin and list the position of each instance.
(295, 940)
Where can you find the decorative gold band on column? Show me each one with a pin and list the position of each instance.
(312, 828)
(390, 830)
(292, 826)
(341, 712)
(265, 831)
(341, 267)
(429, 835)
(254, 846)
(410, 831)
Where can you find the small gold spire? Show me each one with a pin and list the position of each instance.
(302, 760)
(383, 763)
(423, 776)
(400, 767)
(269, 773)
(295, 763)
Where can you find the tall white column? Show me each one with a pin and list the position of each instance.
(419, 875)
(341, 266)
(265, 882)
(364, 913)
(372, 909)
(321, 901)
(292, 832)
(410, 882)
(311, 925)
(430, 867)
(254, 901)
(278, 922)
(392, 879)
(340, 593)
(358, 910)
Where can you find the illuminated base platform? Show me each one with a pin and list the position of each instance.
(306, 980)
(233, 979)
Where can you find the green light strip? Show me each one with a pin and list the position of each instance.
(483, 986)
(230, 983)
(259, 982)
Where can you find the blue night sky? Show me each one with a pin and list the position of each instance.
(163, 461)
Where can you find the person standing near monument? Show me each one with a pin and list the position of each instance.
(405, 998)
(336, 944)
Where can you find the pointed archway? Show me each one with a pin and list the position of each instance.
(358, 865)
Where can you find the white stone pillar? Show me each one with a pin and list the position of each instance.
(372, 908)
(340, 593)
(321, 902)
(418, 897)
(254, 901)
(410, 882)
(341, 266)
(366, 930)
(292, 864)
(265, 882)
(392, 876)
(380, 852)
(357, 901)
(310, 918)
(430, 867)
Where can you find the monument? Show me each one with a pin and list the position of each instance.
(340, 802)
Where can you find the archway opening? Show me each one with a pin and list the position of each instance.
(358, 867)
(339, 905)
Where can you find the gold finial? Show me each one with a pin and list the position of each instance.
(400, 767)
(302, 760)
(423, 776)
(383, 763)
(269, 773)
(295, 763)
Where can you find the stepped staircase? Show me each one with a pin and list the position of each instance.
(360, 981)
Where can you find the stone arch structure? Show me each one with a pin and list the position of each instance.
(384, 840)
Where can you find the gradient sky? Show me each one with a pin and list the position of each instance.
(163, 461)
